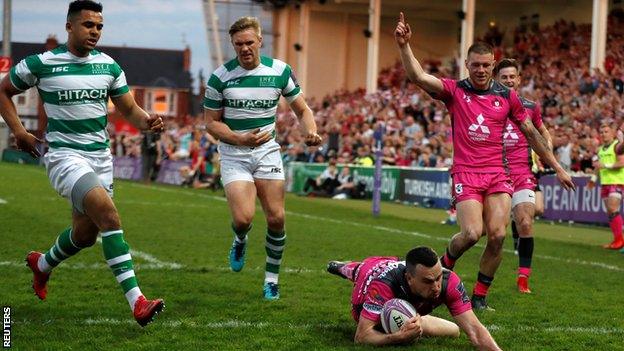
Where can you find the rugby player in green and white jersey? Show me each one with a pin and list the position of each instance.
(240, 106)
(75, 82)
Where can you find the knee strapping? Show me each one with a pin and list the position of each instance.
(83, 185)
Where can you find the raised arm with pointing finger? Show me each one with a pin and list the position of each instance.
(415, 72)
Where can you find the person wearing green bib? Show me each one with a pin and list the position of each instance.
(610, 168)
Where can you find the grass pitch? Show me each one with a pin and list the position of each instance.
(181, 238)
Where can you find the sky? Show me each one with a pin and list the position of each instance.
(165, 24)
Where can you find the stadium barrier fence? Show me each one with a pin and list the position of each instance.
(410, 185)
(428, 187)
(582, 205)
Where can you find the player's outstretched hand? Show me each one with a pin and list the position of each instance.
(565, 180)
(313, 139)
(411, 330)
(28, 143)
(403, 32)
(255, 138)
(155, 124)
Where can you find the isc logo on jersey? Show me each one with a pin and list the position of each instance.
(60, 69)
(232, 82)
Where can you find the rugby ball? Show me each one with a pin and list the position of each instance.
(395, 313)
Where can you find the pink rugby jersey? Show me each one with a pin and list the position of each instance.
(478, 121)
(379, 279)
(516, 145)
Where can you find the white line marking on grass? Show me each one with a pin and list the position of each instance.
(236, 323)
(154, 261)
(151, 259)
(3, 201)
(385, 229)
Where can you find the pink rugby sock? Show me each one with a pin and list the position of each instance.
(525, 271)
(347, 270)
(480, 289)
(616, 227)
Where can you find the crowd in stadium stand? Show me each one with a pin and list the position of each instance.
(417, 128)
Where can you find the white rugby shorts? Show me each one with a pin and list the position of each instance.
(246, 164)
(66, 166)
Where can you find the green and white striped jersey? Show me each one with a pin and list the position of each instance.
(75, 92)
(249, 98)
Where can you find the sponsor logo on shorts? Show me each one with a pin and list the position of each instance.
(276, 170)
(459, 188)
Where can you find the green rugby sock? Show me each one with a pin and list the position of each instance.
(62, 249)
(275, 243)
(117, 254)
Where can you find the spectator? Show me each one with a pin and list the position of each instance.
(150, 156)
(347, 186)
(325, 184)
(564, 152)
(364, 157)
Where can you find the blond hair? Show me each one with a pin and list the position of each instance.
(606, 124)
(244, 23)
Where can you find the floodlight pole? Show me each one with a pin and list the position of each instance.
(212, 31)
(304, 42)
(372, 63)
(467, 34)
(600, 9)
(6, 29)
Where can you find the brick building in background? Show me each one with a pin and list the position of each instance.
(159, 79)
